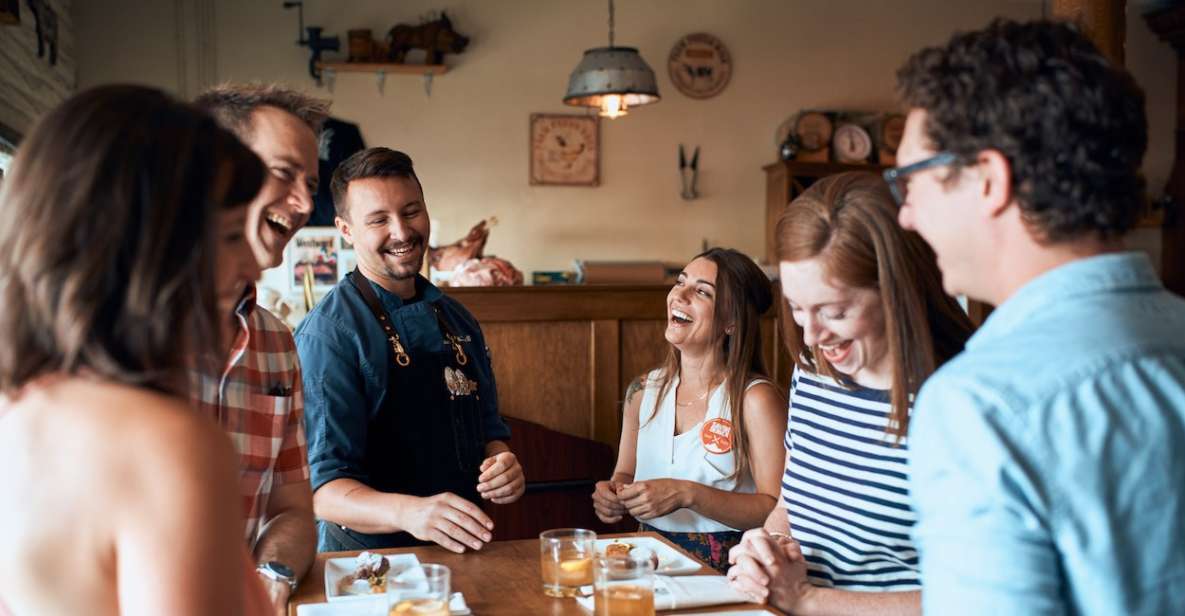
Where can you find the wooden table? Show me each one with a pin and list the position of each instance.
(502, 579)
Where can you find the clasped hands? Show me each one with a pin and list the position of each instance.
(769, 569)
(455, 523)
(641, 499)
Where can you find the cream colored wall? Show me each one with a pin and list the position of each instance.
(469, 138)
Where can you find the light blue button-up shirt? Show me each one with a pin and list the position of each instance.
(1047, 461)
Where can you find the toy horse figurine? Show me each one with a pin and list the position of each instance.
(435, 37)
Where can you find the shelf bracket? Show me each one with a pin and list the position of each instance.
(380, 79)
(428, 84)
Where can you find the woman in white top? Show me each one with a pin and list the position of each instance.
(701, 449)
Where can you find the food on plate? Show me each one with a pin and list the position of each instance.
(369, 575)
(622, 548)
(618, 548)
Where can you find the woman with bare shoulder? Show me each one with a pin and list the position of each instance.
(120, 220)
(701, 439)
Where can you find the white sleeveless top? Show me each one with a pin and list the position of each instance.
(664, 455)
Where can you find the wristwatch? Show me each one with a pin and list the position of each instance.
(278, 571)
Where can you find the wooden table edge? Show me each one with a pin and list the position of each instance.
(316, 574)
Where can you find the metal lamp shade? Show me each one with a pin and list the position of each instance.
(611, 70)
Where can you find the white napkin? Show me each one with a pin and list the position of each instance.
(685, 592)
(372, 606)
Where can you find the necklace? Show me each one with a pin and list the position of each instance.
(687, 404)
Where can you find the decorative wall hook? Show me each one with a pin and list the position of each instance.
(688, 173)
(45, 22)
(315, 42)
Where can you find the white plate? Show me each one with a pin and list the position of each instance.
(338, 568)
(670, 561)
(374, 605)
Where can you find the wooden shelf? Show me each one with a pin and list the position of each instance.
(818, 170)
(383, 67)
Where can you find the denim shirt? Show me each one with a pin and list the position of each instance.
(1047, 461)
(345, 356)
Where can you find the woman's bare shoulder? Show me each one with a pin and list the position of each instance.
(142, 424)
(765, 399)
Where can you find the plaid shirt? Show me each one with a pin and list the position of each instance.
(258, 401)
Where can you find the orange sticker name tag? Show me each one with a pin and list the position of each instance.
(717, 435)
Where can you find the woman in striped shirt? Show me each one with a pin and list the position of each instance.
(870, 323)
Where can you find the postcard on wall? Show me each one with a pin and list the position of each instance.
(314, 249)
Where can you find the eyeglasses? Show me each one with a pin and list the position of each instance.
(898, 177)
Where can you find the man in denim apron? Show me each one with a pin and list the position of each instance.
(401, 410)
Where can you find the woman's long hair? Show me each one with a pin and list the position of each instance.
(107, 238)
(849, 220)
(743, 294)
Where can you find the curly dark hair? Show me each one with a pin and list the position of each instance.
(1070, 123)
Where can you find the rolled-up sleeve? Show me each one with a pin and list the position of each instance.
(981, 508)
(336, 409)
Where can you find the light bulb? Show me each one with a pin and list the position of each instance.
(613, 106)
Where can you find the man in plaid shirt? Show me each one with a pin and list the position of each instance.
(255, 393)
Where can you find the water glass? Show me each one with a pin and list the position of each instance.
(566, 559)
(419, 591)
(624, 584)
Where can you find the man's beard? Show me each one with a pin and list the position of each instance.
(415, 242)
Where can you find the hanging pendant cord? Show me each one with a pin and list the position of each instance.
(610, 23)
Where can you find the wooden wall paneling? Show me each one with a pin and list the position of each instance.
(561, 472)
(605, 382)
(540, 369)
(563, 302)
(1169, 25)
(774, 352)
(643, 348)
(777, 196)
(29, 85)
(1102, 20)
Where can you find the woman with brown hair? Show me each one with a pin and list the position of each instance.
(870, 322)
(122, 219)
(701, 453)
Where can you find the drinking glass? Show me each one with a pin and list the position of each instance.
(419, 591)
(624, 584)
(565, 556)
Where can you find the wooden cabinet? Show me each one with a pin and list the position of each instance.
(785, 180)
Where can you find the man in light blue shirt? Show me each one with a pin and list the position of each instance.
(1047, 461)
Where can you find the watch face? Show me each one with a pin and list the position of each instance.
(852, 144)
(280, 568)
(565, 149)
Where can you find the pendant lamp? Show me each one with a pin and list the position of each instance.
(612, 79)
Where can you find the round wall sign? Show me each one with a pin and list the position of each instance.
(700, 65)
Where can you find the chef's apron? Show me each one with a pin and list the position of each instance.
(428, 437)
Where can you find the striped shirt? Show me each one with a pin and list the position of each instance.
(846, 487)
(257, 400)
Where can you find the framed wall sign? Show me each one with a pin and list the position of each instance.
(700, 65)
(565, 150)
(315, 249)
